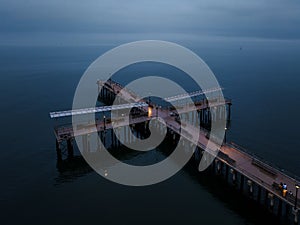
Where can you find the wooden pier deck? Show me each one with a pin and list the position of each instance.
(234, 157)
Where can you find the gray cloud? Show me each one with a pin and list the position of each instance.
(256, 18)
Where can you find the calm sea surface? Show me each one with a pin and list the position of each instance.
(262, 79)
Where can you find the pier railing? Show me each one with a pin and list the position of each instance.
(266, 163)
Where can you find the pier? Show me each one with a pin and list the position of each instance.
(244, 171)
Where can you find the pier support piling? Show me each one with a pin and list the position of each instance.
(295, 213)
(271, 197)
(242, 183)
(258, 193)
(70, 148)
(250, 187)
(279, 211)
(58, 152)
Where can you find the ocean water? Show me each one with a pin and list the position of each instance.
(262, 79)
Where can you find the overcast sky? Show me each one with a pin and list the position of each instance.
(36, 20)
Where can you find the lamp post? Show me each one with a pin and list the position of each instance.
(296, 198)
(225, 135)
(104, 127)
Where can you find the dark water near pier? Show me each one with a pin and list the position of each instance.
(262, 79)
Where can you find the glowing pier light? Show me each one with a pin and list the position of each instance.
(149, 111)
